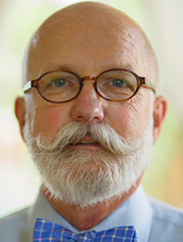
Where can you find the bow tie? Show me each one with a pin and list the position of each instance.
(46, 231)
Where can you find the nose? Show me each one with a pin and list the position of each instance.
(88, 105)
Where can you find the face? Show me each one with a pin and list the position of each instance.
(87, 52)
(88, 49)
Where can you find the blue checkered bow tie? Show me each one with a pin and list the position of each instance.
(46, 231)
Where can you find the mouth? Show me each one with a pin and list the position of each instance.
(86, 143)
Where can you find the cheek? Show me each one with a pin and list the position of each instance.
(128, 120)
(122, 121)
(48, 120)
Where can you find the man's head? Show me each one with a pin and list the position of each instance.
(74, 143)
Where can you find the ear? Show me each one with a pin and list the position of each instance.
(20, 113)
(159, 111)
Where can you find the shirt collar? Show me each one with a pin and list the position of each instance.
(135, 211)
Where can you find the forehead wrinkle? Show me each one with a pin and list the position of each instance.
(129, 64)
(126, 40)
(131, 54)
(137, 44)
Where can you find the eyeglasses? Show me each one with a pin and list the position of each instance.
(113, 85)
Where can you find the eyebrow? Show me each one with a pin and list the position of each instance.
(54, 66)
(130, 67)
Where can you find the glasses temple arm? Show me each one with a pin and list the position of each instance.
(149, 84)
(27, 86)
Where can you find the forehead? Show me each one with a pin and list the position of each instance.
(80, 43)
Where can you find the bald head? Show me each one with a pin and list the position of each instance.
(85, 29)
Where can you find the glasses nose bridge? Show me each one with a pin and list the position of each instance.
(93, 79)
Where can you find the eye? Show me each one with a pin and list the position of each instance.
(60, 82)
(118, 83)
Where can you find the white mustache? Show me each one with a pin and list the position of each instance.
(75, 132)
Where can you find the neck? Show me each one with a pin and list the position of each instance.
(87, 218)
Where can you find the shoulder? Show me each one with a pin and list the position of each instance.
(167, 220)
(165, 213)
(14, 227)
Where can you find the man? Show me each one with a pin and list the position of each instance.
(89, 117)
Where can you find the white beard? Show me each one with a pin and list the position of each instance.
(84, 177)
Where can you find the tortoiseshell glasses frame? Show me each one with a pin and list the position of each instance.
(115, 85)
